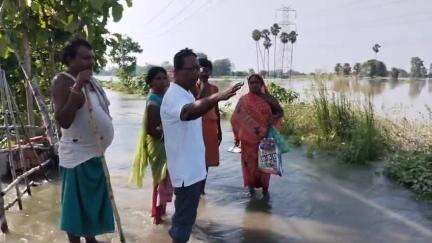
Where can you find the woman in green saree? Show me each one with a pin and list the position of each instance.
(150, 149)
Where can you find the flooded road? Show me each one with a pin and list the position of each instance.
(316, 200)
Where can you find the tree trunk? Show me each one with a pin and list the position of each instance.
(27, 69)
(292, 50)
(268, 61)
(257, 47)
(283, 57)
(274, 57)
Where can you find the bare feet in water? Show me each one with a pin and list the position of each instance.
(157, 220)
(251, 191)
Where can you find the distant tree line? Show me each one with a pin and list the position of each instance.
(376, 68)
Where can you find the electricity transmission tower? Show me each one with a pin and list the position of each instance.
(286, 17)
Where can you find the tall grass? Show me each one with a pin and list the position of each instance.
(332, 123)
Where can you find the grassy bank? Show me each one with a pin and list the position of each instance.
(355, 134)
(135, 85)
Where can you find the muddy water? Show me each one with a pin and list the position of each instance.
(316, 200)
(394, 99)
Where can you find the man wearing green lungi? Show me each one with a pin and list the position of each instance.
(85, 206)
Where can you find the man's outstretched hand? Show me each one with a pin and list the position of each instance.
(230, 92)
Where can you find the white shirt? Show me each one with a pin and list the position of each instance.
(78, 143)
(184, 144)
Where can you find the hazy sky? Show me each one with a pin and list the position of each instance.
(330, 31)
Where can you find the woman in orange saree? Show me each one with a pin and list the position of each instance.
(254, 113)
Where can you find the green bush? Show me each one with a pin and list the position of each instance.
(413, 170)
(283, 95)
(134, 85)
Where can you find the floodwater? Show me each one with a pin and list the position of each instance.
(316, 200)
(394, 99)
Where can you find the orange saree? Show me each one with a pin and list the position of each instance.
(250, 123)
(210, 133)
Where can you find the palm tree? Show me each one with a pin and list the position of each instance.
(292, 37)
(284, 39)
(275, 29)
(256, 36)
(376, 48)
(267, 45)
(265, 33)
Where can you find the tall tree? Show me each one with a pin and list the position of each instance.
(275, 29)
(48, 25)
(256, 36)
(430, 71)
(35, 32)
(267, 44)
(222, 67)
(284, 38)
(418, 69)
(121, 49)
(346, 69)
(394, 73)
(338, 69)
(357, 68)
(374, 68)
(292, 36)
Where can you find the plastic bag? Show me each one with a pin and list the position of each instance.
(269, 157)
(279, 139)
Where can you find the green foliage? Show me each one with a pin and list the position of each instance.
(413, 170)
(121, 49)
(364, 141)
(374, 68)
(338, 69)
(45, 26)
(281, 94)
(357, 68)
(134, 85)
(430, 71)
(222, 67)
(394, 73)
(346, 69)
(418, 69)
(240, 73)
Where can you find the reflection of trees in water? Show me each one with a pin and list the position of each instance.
(393, 83)
(376, 86)
(366, 87)
(341, 85)
(430, 85)
(416, 86)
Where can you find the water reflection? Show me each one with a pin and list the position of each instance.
(416, 86)
(391, 98)
(393, 83)
(430, 85)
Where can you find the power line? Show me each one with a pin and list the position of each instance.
(206, 3)
(159, 13)
(177, 14)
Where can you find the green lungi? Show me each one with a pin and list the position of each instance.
(85, 206)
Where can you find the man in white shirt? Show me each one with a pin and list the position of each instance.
(182, 127)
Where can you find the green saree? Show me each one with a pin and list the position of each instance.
(149, 151)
